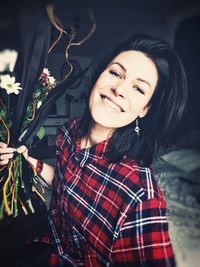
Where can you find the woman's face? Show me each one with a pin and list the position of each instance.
(123, 90)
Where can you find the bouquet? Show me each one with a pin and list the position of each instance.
(27, 94)
(15, 194)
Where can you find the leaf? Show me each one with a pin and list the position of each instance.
(2, 114)
(41, 133)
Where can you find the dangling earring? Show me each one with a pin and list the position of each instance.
(137, 128)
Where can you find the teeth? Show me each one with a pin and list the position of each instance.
(111, 104)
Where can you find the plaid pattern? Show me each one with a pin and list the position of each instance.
(106, 214)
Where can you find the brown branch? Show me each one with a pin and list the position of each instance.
(90, 32)
(58, 25)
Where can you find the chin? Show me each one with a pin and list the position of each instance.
(107, 120)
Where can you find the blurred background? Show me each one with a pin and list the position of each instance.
(177, 22)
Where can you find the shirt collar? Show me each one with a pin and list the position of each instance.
(97, 151)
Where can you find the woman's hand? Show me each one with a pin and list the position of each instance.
(7, 153)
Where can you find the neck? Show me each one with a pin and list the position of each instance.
(96, 135)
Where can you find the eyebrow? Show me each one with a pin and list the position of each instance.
(124, 69)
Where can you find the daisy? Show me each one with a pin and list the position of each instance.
(8, 83)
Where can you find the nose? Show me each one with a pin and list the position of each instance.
(119, 90)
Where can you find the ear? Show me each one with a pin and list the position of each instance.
(144, 111)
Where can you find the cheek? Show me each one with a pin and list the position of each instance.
(138, 102)
(93, 97)
(134, 103)
(103, 80)
(91, 101)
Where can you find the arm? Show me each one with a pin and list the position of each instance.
(47, 170)
(143, 239)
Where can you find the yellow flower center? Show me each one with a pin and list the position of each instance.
(9, 85)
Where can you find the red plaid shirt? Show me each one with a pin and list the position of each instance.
(106, 214)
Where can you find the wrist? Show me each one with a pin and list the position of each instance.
(39, 166)
(33, 162)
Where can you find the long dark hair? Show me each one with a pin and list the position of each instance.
(166, 105)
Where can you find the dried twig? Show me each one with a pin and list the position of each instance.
(58, 25)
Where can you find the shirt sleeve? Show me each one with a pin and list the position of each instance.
(143, 239)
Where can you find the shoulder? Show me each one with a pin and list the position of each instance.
(67, 134)
(71, 125)
(68, 130)
(142, 177)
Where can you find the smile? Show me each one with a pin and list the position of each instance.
(110, 103)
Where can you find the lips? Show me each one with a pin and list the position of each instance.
(111, 103)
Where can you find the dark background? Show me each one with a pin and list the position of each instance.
(178, 22)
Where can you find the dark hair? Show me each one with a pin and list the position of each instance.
(166, 105)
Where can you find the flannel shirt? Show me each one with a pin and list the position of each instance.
(103, 213)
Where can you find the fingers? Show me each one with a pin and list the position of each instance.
(4, 158)
(7, 150)
(4, 162)
(6, 153)
(2, 144)
(4, 149)
(22, 149)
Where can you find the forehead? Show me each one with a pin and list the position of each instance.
(138, 65)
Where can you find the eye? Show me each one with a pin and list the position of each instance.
(115, 73)
(137, 88)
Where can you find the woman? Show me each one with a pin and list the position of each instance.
(107, 208)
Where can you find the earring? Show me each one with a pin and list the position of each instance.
(137, 128)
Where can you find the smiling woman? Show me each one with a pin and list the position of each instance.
(145, 79)
(123, 90)
(106, 207)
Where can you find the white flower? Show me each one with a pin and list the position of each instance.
(8, 83)
(39, 104)
(46, 71)
(51, 80)
(7, 60)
